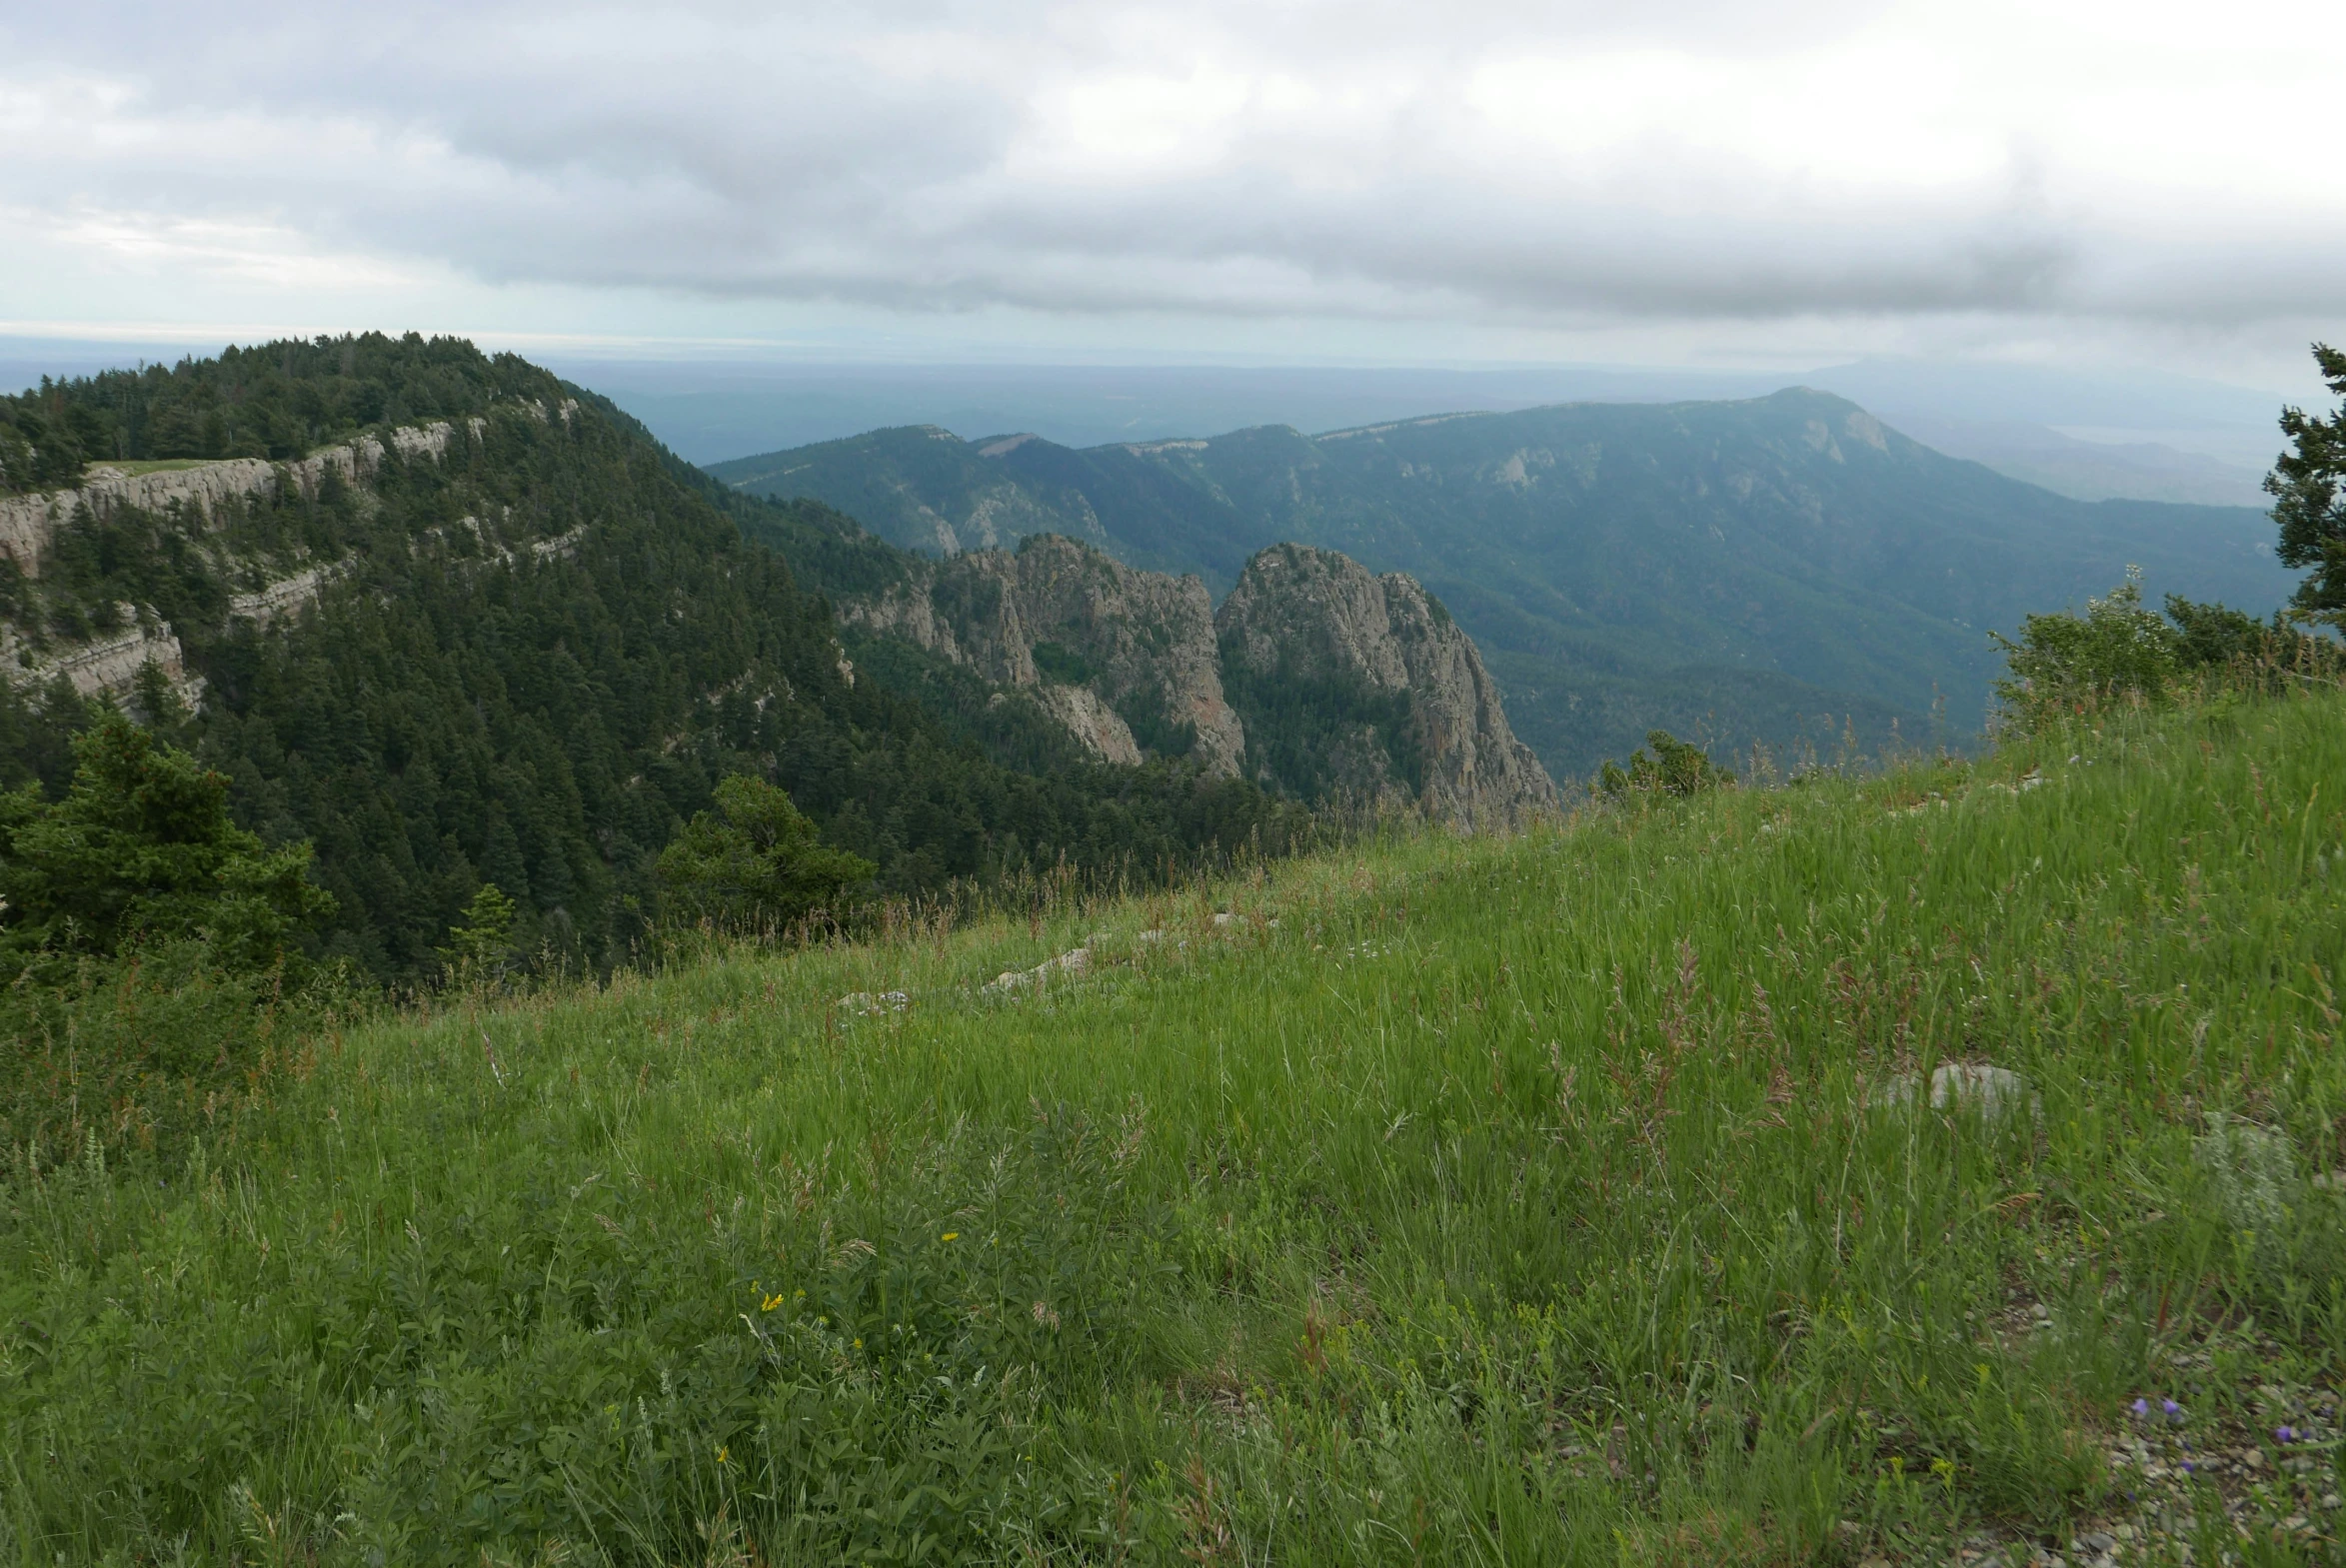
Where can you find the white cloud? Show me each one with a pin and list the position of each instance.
(2018, 170)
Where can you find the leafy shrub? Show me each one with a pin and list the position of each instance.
(149, 945)
(2119, 652)
(755, 862)
(1676, 767)
(142, 849)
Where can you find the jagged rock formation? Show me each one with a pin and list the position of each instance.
(1362, 688)
(1125, 660)
(1323, 681)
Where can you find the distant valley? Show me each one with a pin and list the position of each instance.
(1786, 570)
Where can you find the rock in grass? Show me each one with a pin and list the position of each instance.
(1076, 961)
(2252, 1172)
(864, 1003)
(1994, 1092)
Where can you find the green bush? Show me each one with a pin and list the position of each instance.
(2120, 652)
(755, 862)
(142, 849)
(149, 946)
(1676, 767)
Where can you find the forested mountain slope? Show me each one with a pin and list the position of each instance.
(1747, 564)
(514, 641)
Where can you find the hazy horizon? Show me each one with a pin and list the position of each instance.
(1692, 187)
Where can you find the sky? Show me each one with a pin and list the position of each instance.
(1671, 181)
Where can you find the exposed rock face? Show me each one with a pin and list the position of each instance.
(1391, 702)
(1100, 728)
(27, 522)
(111, 661)
(1126, 658)
(1361, 688)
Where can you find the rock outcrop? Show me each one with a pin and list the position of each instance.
(111, 661)
(1358, 688)
(1382, 698)
(27, 522)
(1125, 660)
(108, 663)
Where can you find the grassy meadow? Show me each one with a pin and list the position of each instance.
(1546, 1199)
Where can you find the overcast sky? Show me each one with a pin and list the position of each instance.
(1666, 181)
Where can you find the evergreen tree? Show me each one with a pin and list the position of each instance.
(142, 849)
(2310, 483)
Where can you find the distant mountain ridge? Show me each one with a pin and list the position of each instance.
(1783, 569)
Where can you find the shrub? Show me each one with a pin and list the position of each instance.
(1676, 767)
(142, 850)
(149, 946)
(755, 863)
(2119, 652)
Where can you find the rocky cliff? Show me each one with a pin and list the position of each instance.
(101, 648)
(1363, 688)
(28, 522)
(1125, 660)
(1321, 680)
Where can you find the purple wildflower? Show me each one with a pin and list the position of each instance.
(2189, 1469)
(2284, 1434)
(2142, 1407)
(2173, 1411)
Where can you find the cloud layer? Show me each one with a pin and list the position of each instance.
(1479, 161)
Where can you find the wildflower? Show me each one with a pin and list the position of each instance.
(2284, 1434)
(2142, 1407)
(2173, 1411)
(2189, 1469)
(768, 1303)
(951, 1235)
(859, 1344)
(722, 1453)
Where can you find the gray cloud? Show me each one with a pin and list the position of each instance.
(1221, 158)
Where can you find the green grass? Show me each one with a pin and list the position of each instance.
(1507, 1200)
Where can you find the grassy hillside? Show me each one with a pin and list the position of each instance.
(1738, 569)
(1545, 1199)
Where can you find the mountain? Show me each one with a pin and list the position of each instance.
(1125, 661)
(1316, 680)
(2094, 470)
(455, 621)
(1364, 688)
(1784, 568)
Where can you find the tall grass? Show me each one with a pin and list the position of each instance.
(1545, 1198)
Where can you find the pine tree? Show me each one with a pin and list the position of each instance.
(2311, 486)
